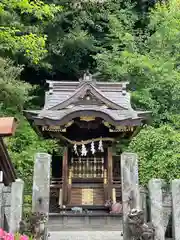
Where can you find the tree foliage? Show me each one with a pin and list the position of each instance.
(78, 33)
(13, 92)
(158, 153)
(24, 145)
(149, 60)
(21, 28)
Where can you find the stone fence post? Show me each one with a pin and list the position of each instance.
(156, 206)
(41, 183)
(16, 203)
(1, 206)
(175, 187)
(130, 187)
(143, 202)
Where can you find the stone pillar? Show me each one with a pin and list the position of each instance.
(156, 206)
(143, 202)
(130, 188)
(16, 203)
(175, 186)
(41, 183)
(167, 206)
(7, 205)
(2, 210)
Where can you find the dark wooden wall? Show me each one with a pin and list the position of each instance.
(6, 165)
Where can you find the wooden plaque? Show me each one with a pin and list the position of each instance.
(87, 196)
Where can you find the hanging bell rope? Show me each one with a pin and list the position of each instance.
(87, 141)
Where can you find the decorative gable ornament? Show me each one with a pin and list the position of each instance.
(87, 77)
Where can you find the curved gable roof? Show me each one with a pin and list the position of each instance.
(66, 100)
(80, 92)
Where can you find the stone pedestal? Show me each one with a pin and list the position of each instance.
(16, 203)
(130, 188)
(1, 206)
(156, 206)
(175, 186)
(41, 183)
(167, 207)
(7, 206)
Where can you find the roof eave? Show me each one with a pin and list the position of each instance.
(7, 126)
(146, 115)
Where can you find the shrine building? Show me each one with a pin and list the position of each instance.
(88, 118)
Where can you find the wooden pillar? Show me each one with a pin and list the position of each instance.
(69, 186)
(106, 197)
(65, 176)
(110, 172)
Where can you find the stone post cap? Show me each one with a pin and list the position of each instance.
(157, 180)
(19, 180)
(129, 154)
(175, 181)
(143, 189)
(42, 155)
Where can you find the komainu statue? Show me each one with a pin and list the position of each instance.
(138, 229)
(34, 225)
(114, 207)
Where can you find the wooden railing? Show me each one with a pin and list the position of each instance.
(55, 194)
(116, 180)
(56, 182)
(87, 167)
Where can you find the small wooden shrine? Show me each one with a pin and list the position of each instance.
(89, 117)
(7, 128)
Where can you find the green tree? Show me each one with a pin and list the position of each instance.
(78, 33)
(150, 62)
(21, 28)
(158, 153)
(23, 146)
(14, 93)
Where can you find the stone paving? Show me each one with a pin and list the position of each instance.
(86, 235)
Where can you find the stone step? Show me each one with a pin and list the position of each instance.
(86, 235)
(58, 222)
(59, 228)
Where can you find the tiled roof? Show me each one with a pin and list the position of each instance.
(109, 100)
(62, 91)
(7, 126)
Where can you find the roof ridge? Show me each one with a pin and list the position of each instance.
(78, 82)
